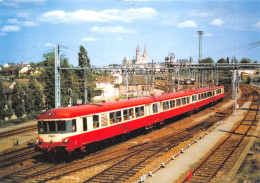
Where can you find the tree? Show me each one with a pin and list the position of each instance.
(49, 80)
(207, 60)
(35, 96)
(228, 60)
(8, 111)
(18, 100)
(234, 60)
(255, 62)
(28, 101)
(222, 60)
(2, 101)
(84, 61)
(245, 60)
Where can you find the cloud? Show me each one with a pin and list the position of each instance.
(30, 24)
(89, 39)
(195, 13)
(257, 25)
(22, 23)
(208, 35)
(109, 29)
(187, 24)
(49, 45)
(129, 15)
(16, 3)
(217, 22)
(11, 28)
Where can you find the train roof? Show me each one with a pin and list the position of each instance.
(88, 109)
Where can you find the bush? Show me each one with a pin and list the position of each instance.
(27, 118)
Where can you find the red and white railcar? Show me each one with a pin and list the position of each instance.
(75, 127)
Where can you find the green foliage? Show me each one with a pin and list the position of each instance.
(8, 111)
(245, 60)
(29, 117)
(35, 95)
(234, 60)
(207, 60)
(84, 61)
(18, 100)
(2, 101)
(49, 80)
(228, 60)
(222, 60)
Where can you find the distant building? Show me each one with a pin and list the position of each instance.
(139, 60)
(185, 61)
(107, 85)
(12, 71)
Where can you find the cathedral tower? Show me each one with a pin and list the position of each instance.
(137, 52)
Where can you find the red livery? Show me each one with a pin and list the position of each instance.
(74, 127)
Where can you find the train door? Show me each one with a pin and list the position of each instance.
(85, 124)
(155, 110)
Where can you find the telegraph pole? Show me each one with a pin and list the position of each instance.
(200, 33)
(86, 85)
(57, 77)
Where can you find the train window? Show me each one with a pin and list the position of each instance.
(128, 114)
(142, 110)
(198, 96)
(183, 101)
(194, 98)
(201, 96)
(85, 126)
(205, 95)
(51, 125)
(172, 103)
(74, 126)
(155, 108)
(61, 125)
(137, 113)
(178, 102)
(42, 126)
(213, 92)
(165, 105)
(188, 100)
(57, 126)
(112, 117)
(118, 116)
(95, 121)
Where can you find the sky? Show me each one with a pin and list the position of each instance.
(110, 30)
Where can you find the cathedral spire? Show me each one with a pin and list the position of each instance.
(137, 52)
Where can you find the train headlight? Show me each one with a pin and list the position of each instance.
(65, 140)
(39, 141)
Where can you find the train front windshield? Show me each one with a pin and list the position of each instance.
(61, 126)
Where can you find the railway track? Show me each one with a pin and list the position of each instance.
(217, 158)
(16, 156)
(17, 131)
(46, 172)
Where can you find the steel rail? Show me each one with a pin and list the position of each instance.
(222, 144)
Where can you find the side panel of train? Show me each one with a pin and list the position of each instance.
(83, 130)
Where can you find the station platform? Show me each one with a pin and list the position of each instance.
(185, 161)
